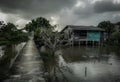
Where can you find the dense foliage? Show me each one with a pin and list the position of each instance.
(39, 25)
(108, 26)
(44, 34)
(112, 30)
(9, 34)
(39, 22)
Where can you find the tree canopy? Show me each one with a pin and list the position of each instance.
(113, 31)
(39, 22)
(10, 27)
(107, 25)
(9, 34)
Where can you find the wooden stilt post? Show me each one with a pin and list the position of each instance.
(79, 42)
(72, 43)
(85, 71)
(99, 43)
(93, 43)
(86, 42)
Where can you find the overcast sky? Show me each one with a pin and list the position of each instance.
(62, 12)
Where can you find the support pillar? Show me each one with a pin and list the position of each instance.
(93, 43)
(79, 42)
(86, 42)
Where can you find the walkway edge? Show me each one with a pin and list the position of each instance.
(13, 60)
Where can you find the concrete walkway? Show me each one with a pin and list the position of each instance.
(28, 67)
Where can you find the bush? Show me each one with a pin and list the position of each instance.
(114, 38)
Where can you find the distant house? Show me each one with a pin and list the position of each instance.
(83, 34)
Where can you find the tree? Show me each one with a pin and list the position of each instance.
(29, 27)
(38, 23)
(115, 38)
(51, 39)
(8, 28)
(44, 34)
(9, 34)
(108, 26)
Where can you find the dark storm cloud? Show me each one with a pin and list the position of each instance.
(13, 5)
(34, 6)
(28, 8)
(106, 6)
(84, 12)
(62, 12)
(116, 18)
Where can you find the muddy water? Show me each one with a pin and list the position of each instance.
(87, 64)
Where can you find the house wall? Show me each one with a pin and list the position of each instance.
(87, 35)
(93, 36)
(83, 36)
(80, 34)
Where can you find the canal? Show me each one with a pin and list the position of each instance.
(91, 64)
(70, 64)
(85, 64)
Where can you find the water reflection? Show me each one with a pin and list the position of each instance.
(85, 64)
(8, 54)
(53, 71)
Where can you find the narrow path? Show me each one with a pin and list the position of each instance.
(28, 66)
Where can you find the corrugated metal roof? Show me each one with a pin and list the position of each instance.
(85, 28)
(90, 28)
